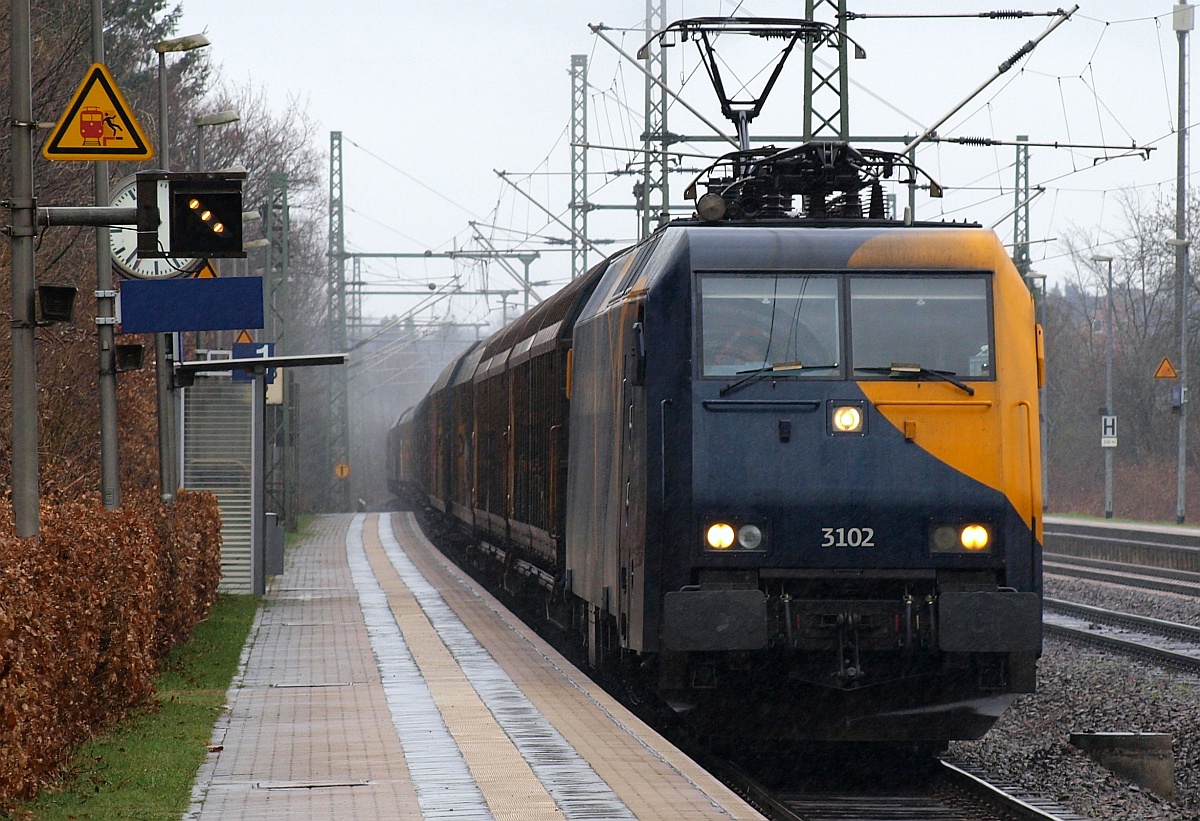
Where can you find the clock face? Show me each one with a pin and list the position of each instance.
(122, 241)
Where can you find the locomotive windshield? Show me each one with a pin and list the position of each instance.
(939, 323)
(789, 322)
(791, 325)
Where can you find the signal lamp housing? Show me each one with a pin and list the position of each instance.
(206, 218)
(190, 215)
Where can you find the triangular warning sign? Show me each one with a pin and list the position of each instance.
(97, 124)
(244, 338)
(1166, 370)
(209, 272)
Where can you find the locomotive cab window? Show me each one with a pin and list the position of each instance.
(787, 323)
(915, 325)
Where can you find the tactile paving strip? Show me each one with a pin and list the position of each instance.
(444, 784)
(650, 776)
(551, 763)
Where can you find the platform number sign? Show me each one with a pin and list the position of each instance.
(1108, 431)
(253, 350)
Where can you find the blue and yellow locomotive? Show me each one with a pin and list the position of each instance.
(782, 466)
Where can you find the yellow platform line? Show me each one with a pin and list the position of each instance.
(508, 784)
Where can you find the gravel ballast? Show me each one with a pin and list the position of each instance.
(1081, 689)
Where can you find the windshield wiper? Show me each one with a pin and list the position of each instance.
(897, 369)
(777, 367)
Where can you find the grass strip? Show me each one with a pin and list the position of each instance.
(143, 769)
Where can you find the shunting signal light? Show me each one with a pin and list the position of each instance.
(206, 218)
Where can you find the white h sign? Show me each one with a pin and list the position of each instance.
(1108, 431)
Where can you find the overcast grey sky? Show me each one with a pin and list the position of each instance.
(432, 97)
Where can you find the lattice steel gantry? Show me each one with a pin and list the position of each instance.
(278, 468)
(339, 381)
(579, 187)
(826, 102)
(655, 195)
(1021, 212)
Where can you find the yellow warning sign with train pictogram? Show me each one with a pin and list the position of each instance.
(97, 124)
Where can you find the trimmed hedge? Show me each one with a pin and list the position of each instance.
(86, 613)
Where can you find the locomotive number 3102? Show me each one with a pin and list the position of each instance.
(847, 537)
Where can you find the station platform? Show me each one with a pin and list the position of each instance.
(380, 682)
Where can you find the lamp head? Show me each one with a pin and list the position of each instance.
(217, 118)
(187, 43)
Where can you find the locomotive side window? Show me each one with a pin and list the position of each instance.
(786, 322)
(937, 323)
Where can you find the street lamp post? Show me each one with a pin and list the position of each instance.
(106, 292)
(168, 482)
(1182, 21)
(205, 121)
(1182, 248)
(1108, 387)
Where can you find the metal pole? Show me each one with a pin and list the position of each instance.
(1182, 23)
(258, 576)
(526, 260)
(162, 364)
(200, 343)
(24, 362)
(1108, 398)
(110, 480)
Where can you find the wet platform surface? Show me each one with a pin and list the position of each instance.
(381, 682)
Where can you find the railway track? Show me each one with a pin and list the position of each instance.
(1177, 645)
(1167, 580)
(946, 793)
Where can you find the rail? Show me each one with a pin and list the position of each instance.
(1002, 799)
(1163, 642)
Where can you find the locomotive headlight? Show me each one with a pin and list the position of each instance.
(944, 539)
(847, 419)
(975, 537)
(750, 537)
(960, 538)
(719, 536)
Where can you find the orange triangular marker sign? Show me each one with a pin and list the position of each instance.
(97, 124)
(244, 338)
(209, 272)
(1166, 370)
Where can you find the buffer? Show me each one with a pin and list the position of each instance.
(97, 124)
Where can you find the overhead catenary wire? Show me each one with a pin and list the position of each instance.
(409, 176)
(1020, 53)
(525, 223)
